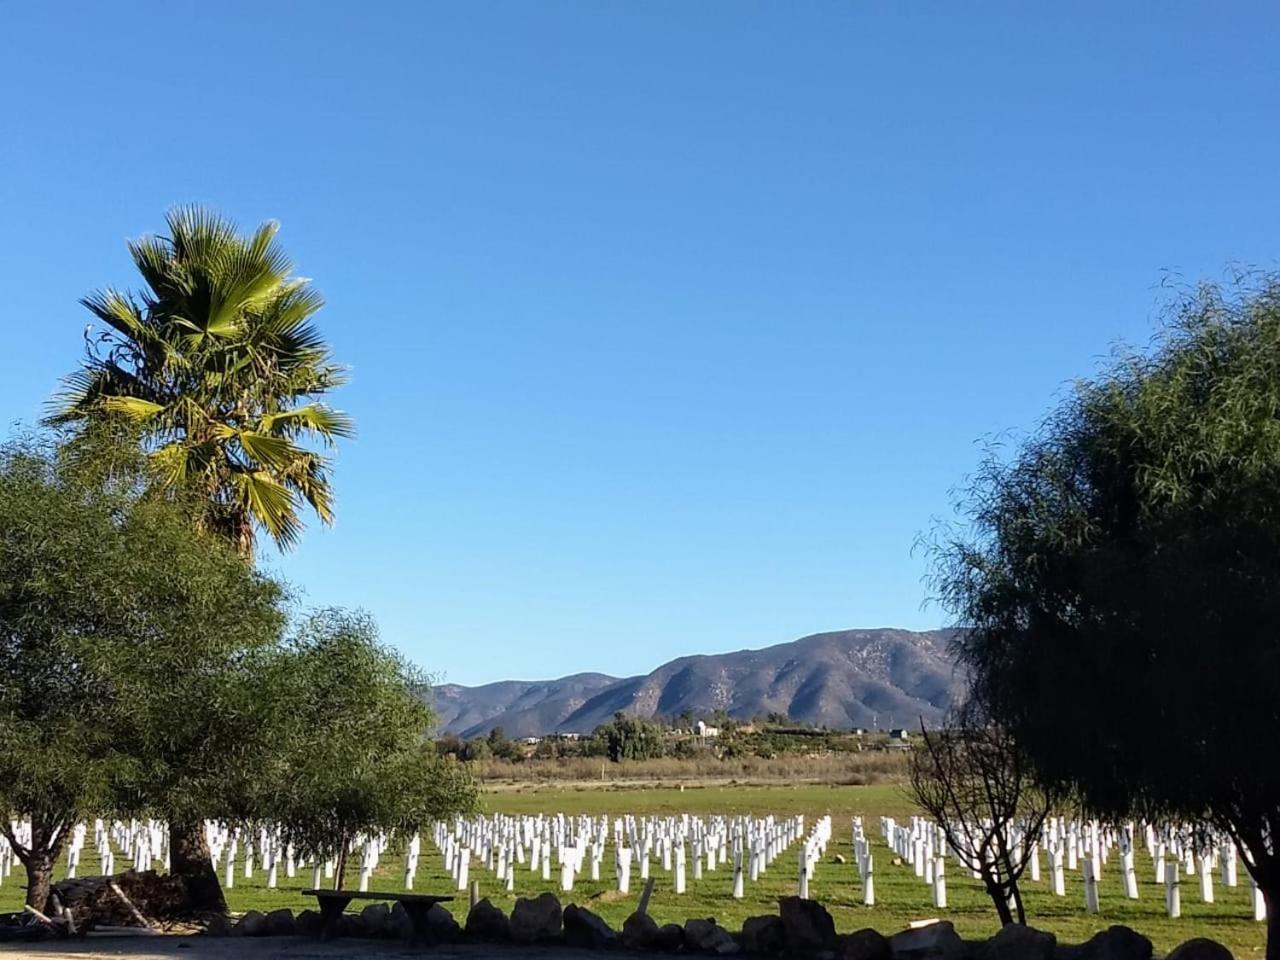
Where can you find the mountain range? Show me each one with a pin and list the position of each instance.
(847, 678)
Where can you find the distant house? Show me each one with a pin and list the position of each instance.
(859, 731)
(531, 741)
(703, 730)
(899, 734)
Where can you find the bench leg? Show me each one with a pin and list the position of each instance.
(421, 928)
(331, 910)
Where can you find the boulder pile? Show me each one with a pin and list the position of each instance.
(801, 928)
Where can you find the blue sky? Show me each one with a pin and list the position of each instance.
(671, 325)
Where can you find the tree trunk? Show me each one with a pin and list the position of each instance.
(1017, 902)
(1272, 899)
(1000, 898)
(39, 867)
(189, 859)
(340, 871)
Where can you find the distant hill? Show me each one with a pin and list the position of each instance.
(848, 678)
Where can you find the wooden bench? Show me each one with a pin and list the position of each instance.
(333, 903)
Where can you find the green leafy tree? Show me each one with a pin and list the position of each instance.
(218, 364)
(114, 618)
(350, 754)
(628, 737)
(219, 368)
(1120, 581)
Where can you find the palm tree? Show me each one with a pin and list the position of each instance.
(219, 367)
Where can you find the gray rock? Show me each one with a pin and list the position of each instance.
(280, 923)
(487, 922)
(809, 928)
(640, 932)
(582, 928)
(670, 938)
(865, 944)
(1018, 942)
(1201, 948)
(444, 928)
(707, 936)
(537, 919)
(763, 935)
(218, 926)
(252, 924)
(376, 920)
(308, 923)
(399, 923)
(937, 941)
(1116, 943)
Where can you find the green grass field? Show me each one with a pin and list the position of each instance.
(900, 896)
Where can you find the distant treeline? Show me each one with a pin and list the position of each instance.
(630, 738)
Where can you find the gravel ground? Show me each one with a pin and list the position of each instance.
(275, 948)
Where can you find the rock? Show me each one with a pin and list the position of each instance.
(865, 944)
(640, 932)
(218, 926)
(376, 920)
(809, 928)
(536, 919)
(399, 923)
(937, 941)
(444, 928)
(280, 923)
(763, 935)
(670, 938)
(487, 922)
(352, 925)
(308, 924)
(252, 924)
(1116, 943)
(707, 936)
(582, 928)
(1019, 942)
(1201, 948)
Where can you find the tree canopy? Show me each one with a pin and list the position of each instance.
(220, 366)
(349, 751)
(1120, 580)
(114, 617)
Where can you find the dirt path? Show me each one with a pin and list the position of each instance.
(275, 948)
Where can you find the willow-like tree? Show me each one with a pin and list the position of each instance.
(114, 617)
(349, 755)
(1120, 581)
(218, 367)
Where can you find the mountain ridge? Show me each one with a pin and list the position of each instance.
(878, 677)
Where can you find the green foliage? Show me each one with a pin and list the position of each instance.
(628, 737)
(348, 751)
(218, 365)
(114, 619)
(1120, 581)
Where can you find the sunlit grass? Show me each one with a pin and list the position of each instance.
(900, 896)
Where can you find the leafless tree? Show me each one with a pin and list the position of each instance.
(972, 778)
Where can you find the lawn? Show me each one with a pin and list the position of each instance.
(900, 896)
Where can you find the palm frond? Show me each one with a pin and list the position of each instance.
(135, 408)
(317, 418)
(271, 505)
(266, 450)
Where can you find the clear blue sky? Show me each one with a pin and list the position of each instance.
(671, 325)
